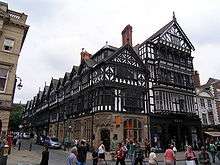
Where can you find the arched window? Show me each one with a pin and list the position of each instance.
(133, 129)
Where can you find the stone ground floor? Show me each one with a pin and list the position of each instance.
(4, 119)
(107, 127)
(111, 128)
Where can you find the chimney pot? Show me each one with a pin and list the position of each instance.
(127, 35)
(85, 55)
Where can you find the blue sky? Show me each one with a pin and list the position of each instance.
(60, 28)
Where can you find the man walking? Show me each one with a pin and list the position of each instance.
(212, 150)
(204, 157)
(82, 152)
(71, 159)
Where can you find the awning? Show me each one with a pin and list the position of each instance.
(214, 134)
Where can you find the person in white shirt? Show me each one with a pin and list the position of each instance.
(153, 157)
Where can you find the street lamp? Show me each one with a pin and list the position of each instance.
(70, 128)
(20, 85)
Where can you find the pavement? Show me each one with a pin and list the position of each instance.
(58, 157)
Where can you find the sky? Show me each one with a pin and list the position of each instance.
(59, 29)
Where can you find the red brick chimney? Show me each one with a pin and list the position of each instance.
(85, 55)
(196, 79)
(127, 35)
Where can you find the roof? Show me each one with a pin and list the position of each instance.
(165, 28)
(160, 31)
(214, 134)
(90, 62)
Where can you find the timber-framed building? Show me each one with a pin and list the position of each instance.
(131, 92)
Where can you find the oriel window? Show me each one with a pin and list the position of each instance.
(8, 44)
(3, 78)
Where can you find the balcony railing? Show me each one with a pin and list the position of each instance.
(19, 17)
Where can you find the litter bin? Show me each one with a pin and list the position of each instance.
(4, 155)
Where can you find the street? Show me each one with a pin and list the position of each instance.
(58, 157)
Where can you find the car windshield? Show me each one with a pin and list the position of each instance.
(54, 139)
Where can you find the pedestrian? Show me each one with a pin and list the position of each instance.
(95, 156)
(147, 147)
(212, 150)
(31, 141)
(131, 147)
(82, 153)
(152, 157)
(9, 141)
(190, 156)
(120, 154)
(138, 154)
(101, 152)
(19, 141)
(217, 143)
(71, 159)
(204, 157)
(45, 156)
(169, 156)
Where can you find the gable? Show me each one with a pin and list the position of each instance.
(176, 37)
(127, 56)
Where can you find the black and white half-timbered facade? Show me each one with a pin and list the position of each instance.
(139, 92)
(167, 55)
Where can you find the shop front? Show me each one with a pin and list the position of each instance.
(179, 130)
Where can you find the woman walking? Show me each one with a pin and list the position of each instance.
(169, 156)
(190, 156)
(153, 157)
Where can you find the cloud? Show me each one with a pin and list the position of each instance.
(59, 29)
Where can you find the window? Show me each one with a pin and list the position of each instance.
(8, 44)
(204, 119)
(3, 78)
(202, 102)
(209, 103)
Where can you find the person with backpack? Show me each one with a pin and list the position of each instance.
(212, 150)
(138, 155)
(95, 156)
(204, 157)
(190, 156)
(120, 155)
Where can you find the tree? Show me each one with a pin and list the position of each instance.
(16, 117)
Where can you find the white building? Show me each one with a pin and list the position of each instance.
(206, 106)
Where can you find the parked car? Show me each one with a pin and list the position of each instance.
(26, 135)
(40, 139)
(52, 142)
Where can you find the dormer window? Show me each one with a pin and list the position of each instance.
(8, 44)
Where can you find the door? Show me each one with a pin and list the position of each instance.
(105, 138)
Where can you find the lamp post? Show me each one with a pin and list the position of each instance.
(19, 86)
(70, 128)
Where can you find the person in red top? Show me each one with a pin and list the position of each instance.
(169, 156)
(190, 156)
(9, 141)
(120, 155)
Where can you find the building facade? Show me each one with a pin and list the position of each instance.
(167, 55)
(13, 31)
(207, 102)
(206, 107)
(131, 92)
